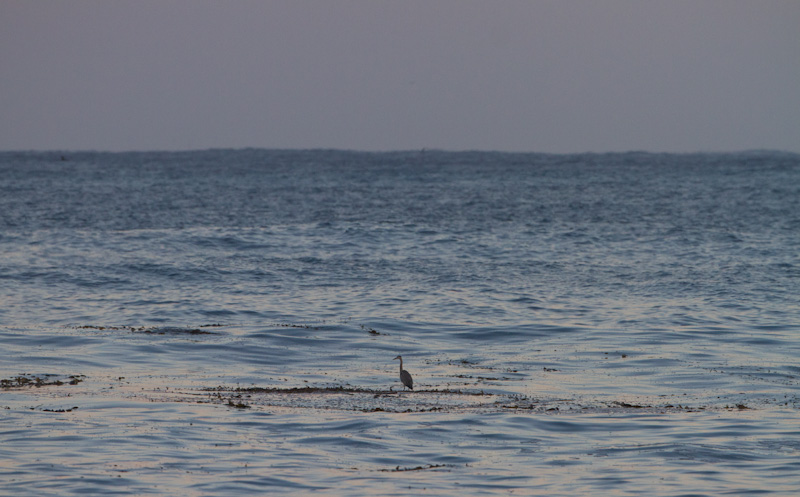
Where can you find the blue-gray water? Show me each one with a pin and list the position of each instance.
(224, 322)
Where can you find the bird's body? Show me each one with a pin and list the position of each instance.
(405, 376)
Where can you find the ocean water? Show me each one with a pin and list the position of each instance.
(224, 322)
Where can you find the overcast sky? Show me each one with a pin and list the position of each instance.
(543, 76)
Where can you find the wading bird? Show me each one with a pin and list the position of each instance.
(405, 377)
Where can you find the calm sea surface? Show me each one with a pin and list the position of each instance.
(224, 323)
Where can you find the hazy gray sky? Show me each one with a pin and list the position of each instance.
(545, 76)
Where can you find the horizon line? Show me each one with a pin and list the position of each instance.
(393, 151)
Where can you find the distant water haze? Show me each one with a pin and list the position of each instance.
(548, 76)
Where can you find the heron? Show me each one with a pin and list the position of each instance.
(405, 376)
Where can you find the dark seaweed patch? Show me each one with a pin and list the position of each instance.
(292, 325)
(371, 331)
(398, 469)
(38, 381)
(156, 330)
(237, 405)
(334, 389)
(176, 331)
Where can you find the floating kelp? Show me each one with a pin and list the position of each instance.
(398, 469)
(368, 400)
(154, 330)
(23, 381)
(335, 389)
